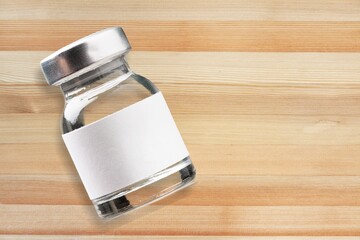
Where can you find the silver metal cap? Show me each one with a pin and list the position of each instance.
(83, 54)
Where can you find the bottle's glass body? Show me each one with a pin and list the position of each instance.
(107, 88)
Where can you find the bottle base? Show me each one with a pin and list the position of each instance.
(142, 193)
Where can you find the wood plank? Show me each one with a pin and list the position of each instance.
(62, 237)
(184, 220)
(236, 83)
(202, 99)
(210, 159)
(204, 129)
(304, 10)
(207, 191)
(245, 36)
(336, 70)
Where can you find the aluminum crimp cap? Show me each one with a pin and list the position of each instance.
(84, 54)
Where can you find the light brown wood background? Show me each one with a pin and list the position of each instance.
(265, 93)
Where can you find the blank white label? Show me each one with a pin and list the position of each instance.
(126, 146)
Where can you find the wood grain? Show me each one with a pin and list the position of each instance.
(213, 190)
(265, 93)
(235, 159)
(216, 129)
(215, 83)
(115, 237)
(223, 220)
(195, 35)
(301, 10)
(19, 237)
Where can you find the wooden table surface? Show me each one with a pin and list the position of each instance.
(265, 93)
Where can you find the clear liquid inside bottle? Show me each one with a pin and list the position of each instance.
(107, 88)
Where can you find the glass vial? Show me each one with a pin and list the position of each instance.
(116, 125)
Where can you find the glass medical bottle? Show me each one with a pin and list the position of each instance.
(116, 125)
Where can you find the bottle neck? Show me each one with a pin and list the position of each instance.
(95, 77)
